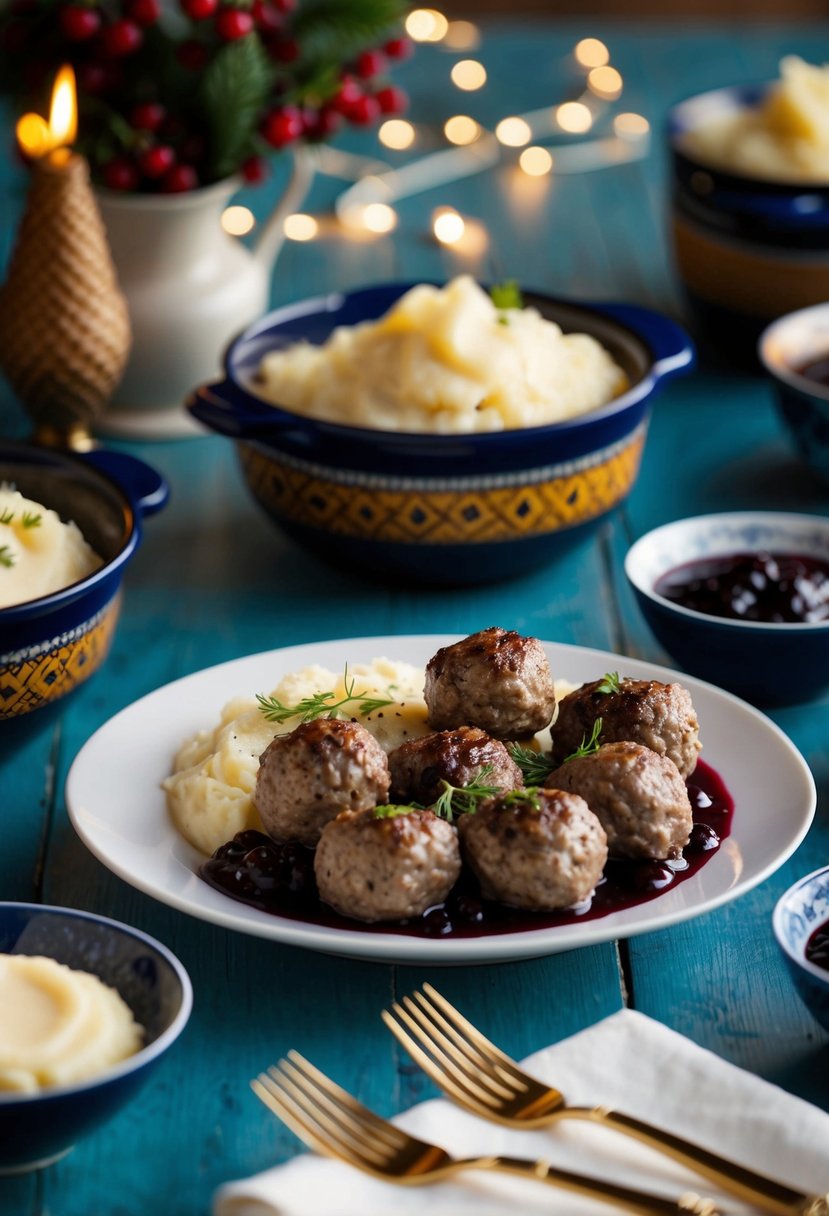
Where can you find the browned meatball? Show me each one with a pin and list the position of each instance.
(419, 766)
(494, 679)
(660, 716)
(639, 797)
(540, 850)
(319, 769)
(375, 867)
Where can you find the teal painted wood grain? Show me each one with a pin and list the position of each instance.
(214, 580)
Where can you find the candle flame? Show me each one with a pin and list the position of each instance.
(36, 136)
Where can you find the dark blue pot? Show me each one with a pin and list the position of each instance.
(451, 509)
(51, 645)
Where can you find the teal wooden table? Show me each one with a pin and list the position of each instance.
(213, 581)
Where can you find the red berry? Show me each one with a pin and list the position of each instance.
(199, 10)
(144, 12)
(283, 126)
(121, 38)
(192, 55)
(267, 19)
(392, 100)
(79, 23)
(148, 116)
(156, 161)
(233, 23)
(348, 92)
(121, 174)
(370, 63)
(255, 170)
(324, 123)
(398, 48)
(363, 111)
(285, 6)
(179, 179)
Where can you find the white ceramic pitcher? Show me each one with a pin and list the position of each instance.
(190, 288)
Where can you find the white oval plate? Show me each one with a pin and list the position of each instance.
(118, 808)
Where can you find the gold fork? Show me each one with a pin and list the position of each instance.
(481, 1078)
(333, 1123)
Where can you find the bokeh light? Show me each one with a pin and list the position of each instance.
(631, 126)
(536, 161)
(591, 53)
(574, 117)
(462, 36)
(605, 82)
(238, 221)
(513, 132)
(468, 74)
(300, 227)
(379, 217)
(426, 25)
(461, 129)
(396, 133)
(448, 225)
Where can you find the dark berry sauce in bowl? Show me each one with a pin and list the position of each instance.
(817, 947)
(762, 586)
(279, 878)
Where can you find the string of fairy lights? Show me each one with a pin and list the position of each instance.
(577, 135)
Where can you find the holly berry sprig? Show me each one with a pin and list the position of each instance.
(171, 100)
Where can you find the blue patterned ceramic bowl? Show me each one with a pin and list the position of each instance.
(50, 646)
(768, 664)
(747, 250)
(789, 344)
(799, 913)
(37, 1129)
(450, 509)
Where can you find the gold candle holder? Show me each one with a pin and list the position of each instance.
(64, 325)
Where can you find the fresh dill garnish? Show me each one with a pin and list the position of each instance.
(6, 556)
(463, 799)
(587, 747)
(321, 704)
(506, 296)
(528, 796)
(7, 516)
(390, 810)
(535, 766)
(610, 683)
(31, 520)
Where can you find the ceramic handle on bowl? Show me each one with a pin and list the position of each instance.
(147, 488)
(672, 349)
(225, 408)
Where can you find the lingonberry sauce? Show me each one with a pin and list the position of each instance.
(279, 878)
(817, 947)
(769, 587)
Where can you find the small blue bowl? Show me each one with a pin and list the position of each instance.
(798, 913)
(768, 664)
(786, 346)
(50, 646)
(37, 1129)
(451, 509)
(747, 249)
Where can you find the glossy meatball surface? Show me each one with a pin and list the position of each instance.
(543, 851)
(375, 868)
(659, 716)
(419, 766)
(639, 797)
(496, 680)
(307, 777)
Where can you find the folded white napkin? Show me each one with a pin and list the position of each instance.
(626, 1061)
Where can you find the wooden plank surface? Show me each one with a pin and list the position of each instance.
(213, 581)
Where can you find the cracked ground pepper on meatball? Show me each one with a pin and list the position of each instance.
(541, 850)
(659, 716)
(321, 768)
(375, 866)
(420, 766)
(496, 680)
(639, 797)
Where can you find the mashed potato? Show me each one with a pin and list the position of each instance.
(445, 360)
(785, 138)
(58, 1026)
(209, 795)
(39, 554)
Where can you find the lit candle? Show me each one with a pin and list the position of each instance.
(64, 327)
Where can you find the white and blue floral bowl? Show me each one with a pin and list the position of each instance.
(798, 913)
(37, 1129)
(768, 664)
(51, 645)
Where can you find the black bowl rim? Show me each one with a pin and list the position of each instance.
(146, 1054)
